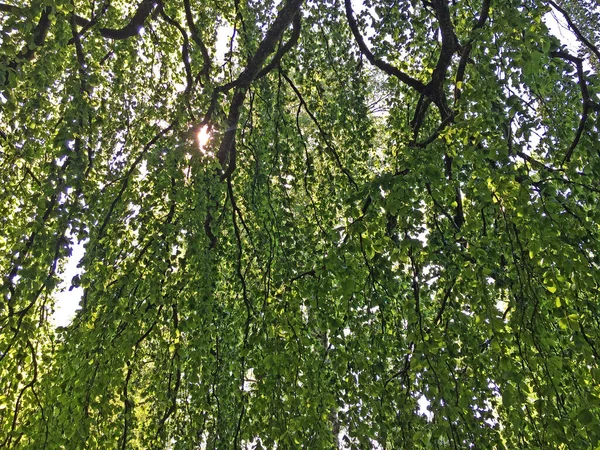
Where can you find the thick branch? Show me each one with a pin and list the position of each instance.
(284, 48)
(39, 34)
(10, 8)
(267, 45)
(435, 88)
(449, 42)
(131, 29)
(227, 151)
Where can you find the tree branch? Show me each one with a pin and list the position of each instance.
(10, 8)
(575, 29)
(27, 53)
(227, 150)
(464, 57)
(321, 132)
(435, 88)
(185, 57)
(196, 37)
(585, 96)
(132, 28)
(284, 49)
(267, 45)
(386, 67)
(39, 34)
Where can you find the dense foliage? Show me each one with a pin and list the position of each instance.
(391, 239)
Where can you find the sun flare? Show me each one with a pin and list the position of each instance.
(203, 138)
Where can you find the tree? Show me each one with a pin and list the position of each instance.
(397, 207)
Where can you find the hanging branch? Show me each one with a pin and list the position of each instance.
(466, 51)
(227, 151)
(41, 30)
(196, 38)
(575, 29)
(385, 66)
(185, 58)
(328, 145)
(587, 103)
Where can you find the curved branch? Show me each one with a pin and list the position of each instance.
(386, 67)
(575, 29)
(449, 43)
(287, 14)
(332, 150)
(435, 88)
(185, 52)
(464, 57)
(227, 151)
(585, 97)
(132, 28)
(196, 37)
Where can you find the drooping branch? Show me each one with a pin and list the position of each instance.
(227, 151)
(196, 37)
(128, 175)
(379, 63)
(466, 51)
(185, 56)
(587, 103)
(575, 29)
(332, 150)
(131, 29)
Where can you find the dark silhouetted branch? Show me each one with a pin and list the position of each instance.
(196, 37)
(575, 29)
(385, 66)
(227, 150)
(466, 51)
(131, 29)
(284, 48)
(585, 96)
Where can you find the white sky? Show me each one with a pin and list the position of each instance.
(67, 302)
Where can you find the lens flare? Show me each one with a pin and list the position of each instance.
(203, 138)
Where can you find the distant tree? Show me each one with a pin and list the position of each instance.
(390, 240)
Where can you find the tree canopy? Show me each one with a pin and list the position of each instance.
(389, 240)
